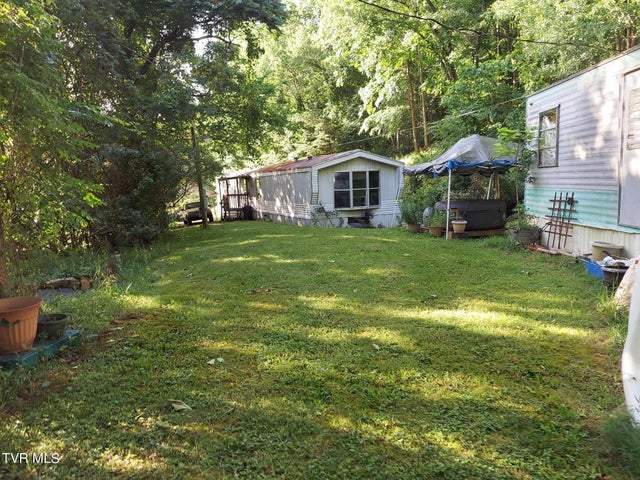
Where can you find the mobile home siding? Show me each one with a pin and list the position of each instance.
(589, 150)
(284, 197)
(291, 192)
(384, 214)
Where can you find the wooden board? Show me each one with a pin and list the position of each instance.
(477, 233)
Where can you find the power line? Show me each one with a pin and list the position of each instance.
(481, 33)
(430, 124)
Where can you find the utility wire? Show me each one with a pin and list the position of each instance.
(435, 122)
(481, 33)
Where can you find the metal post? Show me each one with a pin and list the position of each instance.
(446, 235)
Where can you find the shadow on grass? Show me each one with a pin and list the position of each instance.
(347, 354)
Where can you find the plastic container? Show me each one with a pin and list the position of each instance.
(51, 325)
(612, 276)
(594, 269)
(598, 250)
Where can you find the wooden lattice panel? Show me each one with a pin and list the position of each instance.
(559, 221)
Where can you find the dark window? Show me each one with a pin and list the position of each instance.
(360, 189)
(342, 190)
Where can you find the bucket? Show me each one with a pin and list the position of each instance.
(612, 276)
(598, 248)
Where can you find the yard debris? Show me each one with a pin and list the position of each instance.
(81, 282)
(377, 347)
(179, 405)
(214, 360)
(263, 290)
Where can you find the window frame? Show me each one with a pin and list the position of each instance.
(541, 148)
(368, 189)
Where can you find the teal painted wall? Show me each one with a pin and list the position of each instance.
(594, 208)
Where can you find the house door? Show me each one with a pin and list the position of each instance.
(630, 161)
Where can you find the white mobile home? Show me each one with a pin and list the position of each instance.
(344, 189)
(588, 143)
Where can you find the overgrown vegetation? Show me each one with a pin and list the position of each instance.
(97, 99)
(327, 353)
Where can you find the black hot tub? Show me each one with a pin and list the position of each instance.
(480, 214)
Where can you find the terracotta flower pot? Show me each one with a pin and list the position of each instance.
(436, 230)
(18, 323)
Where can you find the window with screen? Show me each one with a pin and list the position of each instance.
(548, 138)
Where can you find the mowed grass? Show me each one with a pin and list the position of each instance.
(339, 353)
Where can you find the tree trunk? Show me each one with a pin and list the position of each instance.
(5, 258)
(423, 103)
(412, 108)
(201, 193)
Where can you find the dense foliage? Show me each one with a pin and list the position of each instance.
(400, 75)
(97, 99)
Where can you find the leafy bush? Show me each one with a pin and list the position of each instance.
(141, 184)
(420, 193)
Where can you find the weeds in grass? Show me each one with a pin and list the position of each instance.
(348, 353)
(624, 438)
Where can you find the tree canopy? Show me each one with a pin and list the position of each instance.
(434, 70)
(97, 99)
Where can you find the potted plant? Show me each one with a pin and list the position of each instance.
(521, 228)
(436, 222)
(411, 209)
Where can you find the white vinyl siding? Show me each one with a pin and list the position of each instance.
(590, 142)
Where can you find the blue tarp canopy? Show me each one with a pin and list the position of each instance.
(474, 154)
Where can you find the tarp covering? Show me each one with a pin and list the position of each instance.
(474, 154)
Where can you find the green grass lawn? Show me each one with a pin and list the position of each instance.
(347, 354)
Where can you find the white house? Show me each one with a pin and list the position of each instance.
(343, 189)
(588, 143)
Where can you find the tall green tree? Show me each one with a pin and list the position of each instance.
(436, 70)
(134, 60)
(555, 39)
(316, 84)
(42, 202)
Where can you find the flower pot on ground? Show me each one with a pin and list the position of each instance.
(436, 230)
(459, 226)
(51, 325)
(521, 227)
(525, 235)
(436, 222)
(413, 227)
(18, 323)
(411, 214)
(412, 205)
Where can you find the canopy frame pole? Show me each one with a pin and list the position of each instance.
(490, 185)
(448, 205)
